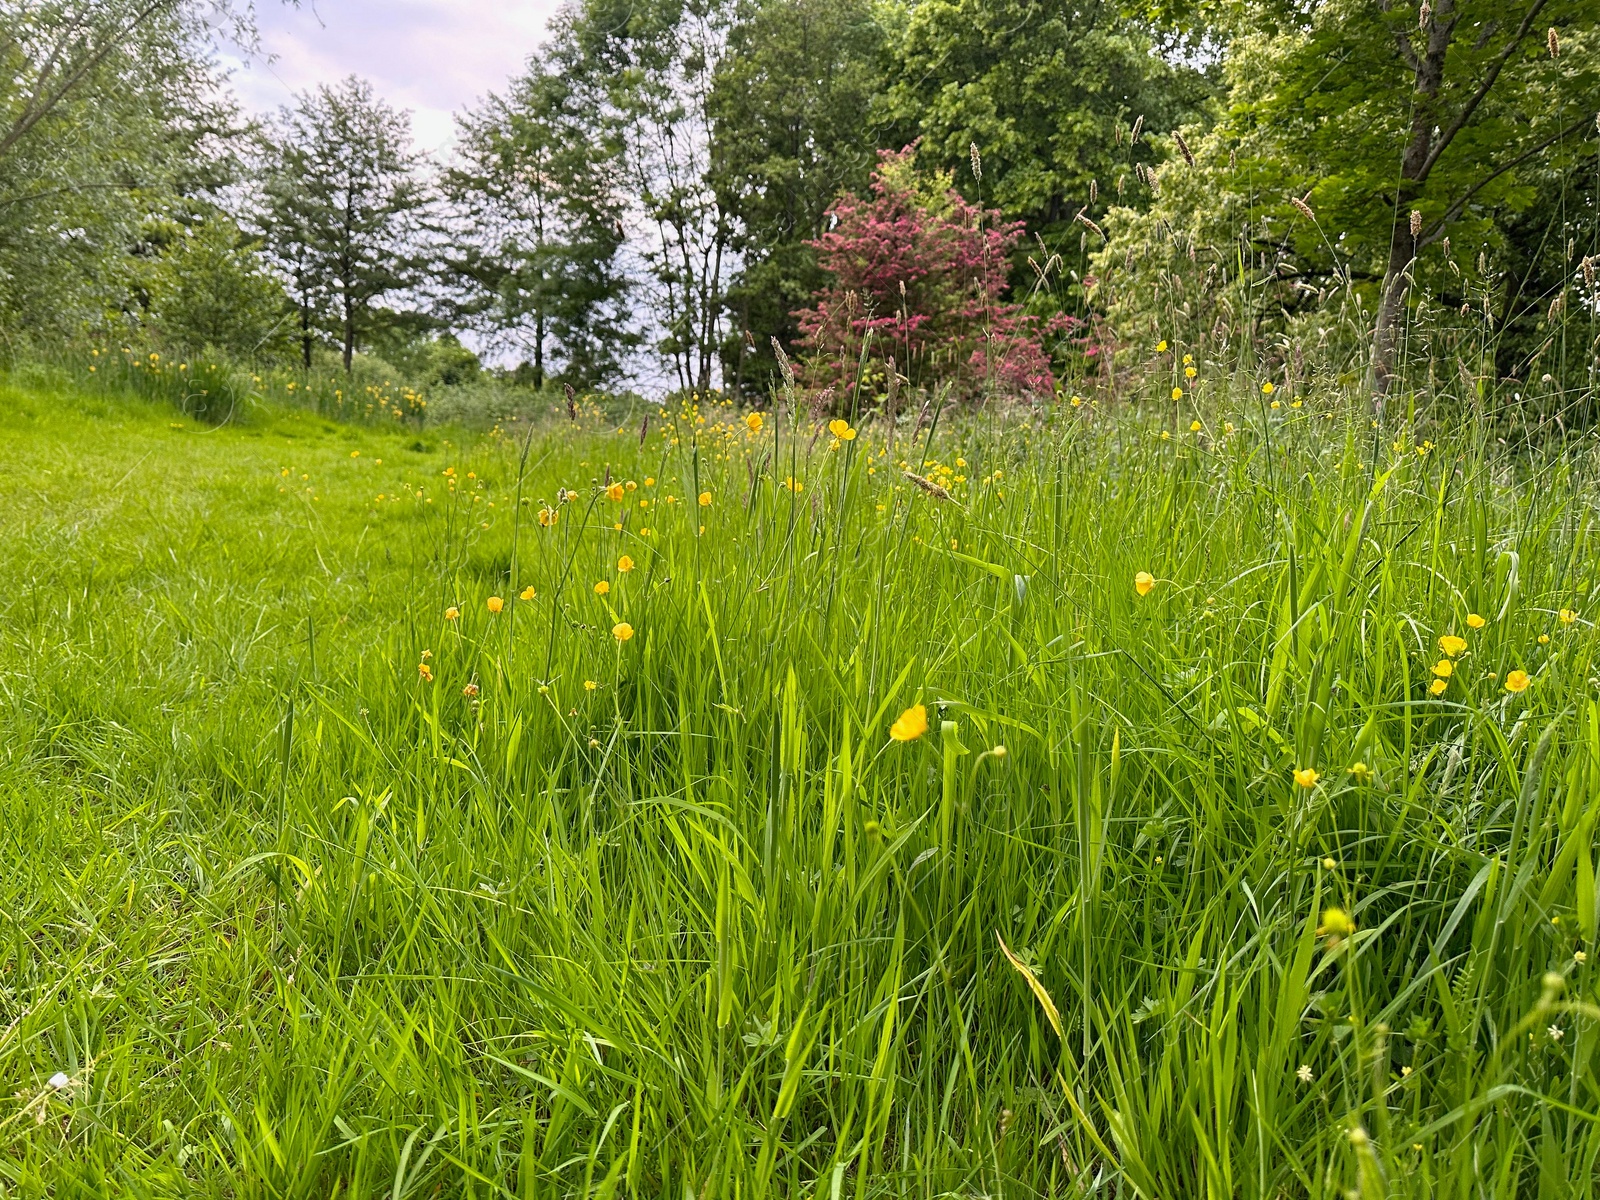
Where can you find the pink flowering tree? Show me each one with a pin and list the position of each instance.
(923, 273)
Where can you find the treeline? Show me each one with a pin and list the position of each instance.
(705, 185)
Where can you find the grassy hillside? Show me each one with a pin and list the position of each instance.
(1243, 879)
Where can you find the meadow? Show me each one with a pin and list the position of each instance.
(1144, 800)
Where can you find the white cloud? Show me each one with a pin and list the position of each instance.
(432, 57)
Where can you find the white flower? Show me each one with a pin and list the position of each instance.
(1556, 1033)
(60, 1081)
(1304, 1073)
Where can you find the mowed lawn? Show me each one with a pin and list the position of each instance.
(367, 831)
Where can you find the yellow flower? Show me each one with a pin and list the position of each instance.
(615, 492)
(548, 517)
(496, 604)
(1190, 372)
(1194, 426)
(1444, 668)
(601, 588)
(589, 685)
(1267, 389)
(1161, 346)
(1567, 616)
(355, 454)
(1336, 924)
(1474, 621)
(910, 725)
(705, 499)
(1517, 681)
(1277, 404)
(424, 670)
(649, 481)
(470, 690)
(1452, 646)
(624, 564)
(841, 430)
(753, 422)
(1143, 582)
(1544, 639)
(1360, 772)
(1187, 359)
(1177, 393)
(1437, 687)
(622, 631)
(527, 593)
(1306, 777)
(451, 613)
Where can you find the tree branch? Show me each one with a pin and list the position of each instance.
(1436, 230)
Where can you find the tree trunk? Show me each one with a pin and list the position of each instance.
(538, 348)
(305, 334)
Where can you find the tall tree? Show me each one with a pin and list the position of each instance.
(538, 204)
(342, 210)
(792, 129)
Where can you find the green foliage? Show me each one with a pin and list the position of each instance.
(210, 289)
(290, 918)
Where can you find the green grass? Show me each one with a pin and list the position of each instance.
(294, 921)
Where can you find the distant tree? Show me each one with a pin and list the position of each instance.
(537, 211)
(790, 106)
(210, 289)
(922, 273)
(342, 208)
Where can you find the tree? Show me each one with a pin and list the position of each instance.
(921, 273)
(538, 224)
(342, 208)
(210, 289)
(790, 106)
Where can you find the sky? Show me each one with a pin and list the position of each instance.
(431, 57)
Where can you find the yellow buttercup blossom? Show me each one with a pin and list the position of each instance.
(451, 613)
(601, 588)
(1177, 393)
(1444, 668)
(705, 499)
(548, 517)
(1452, 646)
(624, 564)
(1161, 346)
(589, 685)
(841, 430)
(1437, 687)
(1517, 681)
(1306, 777)
(1143, 582)
(1194, 426)
(753, 422)
(1474, 621)
(496, 604)
(622, 631)
(527, 593)
(910, 725)
(1567, 616)
(616, 492)
(1267, 388)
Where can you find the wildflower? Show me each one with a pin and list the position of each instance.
(1306, 777)
(355, 454)
(601, 588)
(527, 593)
(1190, 372)
(753, 422)
(470, 690)
(615, 492)
(1161, 346)
(60, 1081)
(1267, 389)
(1579, 957)
(631, 486)
(1444, 668)
(1567, 616)
(1144, 582)
(1437, 687)
(1544, 639)
(1556, 1033)
(624, 564)
(451, 613)
(1360, 772)
(1452, 646)
(1304, 1074)
(426, 672)
(1517, 681)
(589, 685)
(548, 517)
(841, 430)
(1474, 621)
(1177, 393)
(910, 725)
(496, 604)
(1329, 865)
(705, 499)
(649, 481)
(1336, 924)
(1194, 426)
(622, 631)
(1276, 404)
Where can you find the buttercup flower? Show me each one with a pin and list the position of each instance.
(1517, 681)
(451, 613)
(753, 422)
(1474, 621)
(1161, 346)
(424, 670)
(1452, 646)
(1177, 393)
(1267, 389)
(1437, 687)
(601, 588)
(624, 564)
(705, 499)
(622, 631)
(841, 430)
(527, 593)
(1306, 777)
(496, 604)
(1567, 616)
(616, 492)
(1444, 668)
(910, 725)
(1143, 582)
(589, 685)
